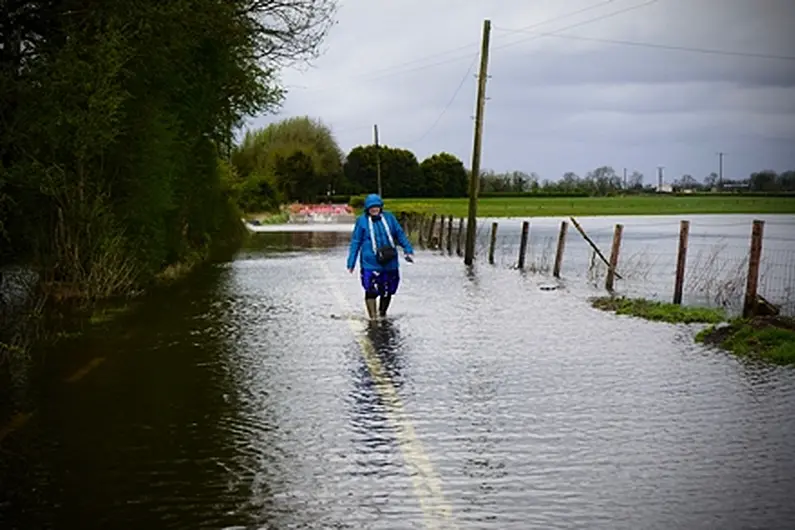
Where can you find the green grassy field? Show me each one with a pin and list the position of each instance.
(598, 206)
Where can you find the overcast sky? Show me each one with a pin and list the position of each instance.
(558, 103)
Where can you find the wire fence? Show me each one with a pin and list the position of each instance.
(715, 270)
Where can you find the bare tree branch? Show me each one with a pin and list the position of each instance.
(284, 32)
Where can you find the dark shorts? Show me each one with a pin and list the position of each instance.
(380, 282)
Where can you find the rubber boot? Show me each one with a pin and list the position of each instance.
(371, 310)
(383, 305)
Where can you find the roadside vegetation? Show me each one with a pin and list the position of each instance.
(770, 338)
(118, 123)
(659, 311)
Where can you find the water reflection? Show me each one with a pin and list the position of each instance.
(387, 343)
(374, 369)
(235, 400)
(297, 241)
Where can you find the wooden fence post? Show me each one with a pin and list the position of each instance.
(421, 231)
(430, 231)
(523, 243)
(492, 242)
(441, 234)
(460, 236)
(564, 226)
(611, 270)
(749, 307)
(450, 235)
(681, 260)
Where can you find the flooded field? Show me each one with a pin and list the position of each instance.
(717, 255)
(255, 396)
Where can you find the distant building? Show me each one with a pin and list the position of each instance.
(665, 188)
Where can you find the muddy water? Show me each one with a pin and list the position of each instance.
(254, 396)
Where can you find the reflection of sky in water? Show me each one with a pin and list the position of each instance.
(241, 399)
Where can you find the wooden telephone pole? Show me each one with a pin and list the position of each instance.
(474, 179)
(377, 160)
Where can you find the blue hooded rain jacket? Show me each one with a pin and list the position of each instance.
(361, 242)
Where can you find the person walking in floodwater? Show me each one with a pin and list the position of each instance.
(374, 235)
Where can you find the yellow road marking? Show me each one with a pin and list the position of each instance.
(78, 375)
(17, 421)
(427, 484)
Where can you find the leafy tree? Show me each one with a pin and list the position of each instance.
(687, 182)
(400, 171)
(115, 115)
(786, 181)
(763, 181)
(711, 180)
(635, 181)
(444, 176)
(301, 153)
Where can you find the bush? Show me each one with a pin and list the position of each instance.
(357, 201)
(259, 193)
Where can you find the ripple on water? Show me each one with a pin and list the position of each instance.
(247, 403)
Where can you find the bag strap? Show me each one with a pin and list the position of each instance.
(372, 232)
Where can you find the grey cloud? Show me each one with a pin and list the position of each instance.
(560, 104)
(615, 65)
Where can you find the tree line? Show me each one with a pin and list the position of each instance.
(606, 181)
(117, 124)
(298, 159)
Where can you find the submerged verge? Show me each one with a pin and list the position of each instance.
(659, 311)
(770, 338)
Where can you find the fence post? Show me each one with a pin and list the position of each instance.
(492, 242)
(460, 236)
(681, 260)
(450, 235)
(441, 234)
(431, 226)
(523, 244)
(749, 307)
(440, 237)
(611, 270)
(564, 226)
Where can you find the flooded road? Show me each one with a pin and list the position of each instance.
(254, 396)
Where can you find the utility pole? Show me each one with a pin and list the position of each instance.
(474, 179)
(377, 160)
(720, 170)
(625, 178)
(660, 177)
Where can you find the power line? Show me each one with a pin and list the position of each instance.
(612, 14)
(602, 17)
(396, 70)
(658, 46)
(449, 103)
(520, 41)
(534, 36)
